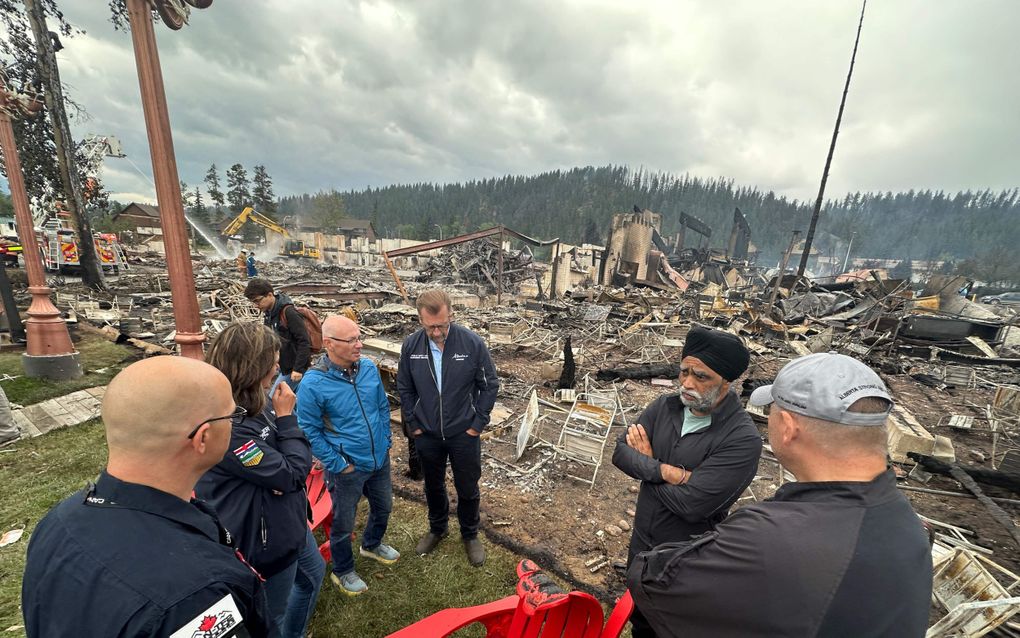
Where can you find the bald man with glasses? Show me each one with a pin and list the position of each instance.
(133, 554)
(345, 415)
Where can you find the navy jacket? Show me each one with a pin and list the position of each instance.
(347, 420)
(469, 384)
(817, 559)
(295, 346)
(266, 455)
(122, 559)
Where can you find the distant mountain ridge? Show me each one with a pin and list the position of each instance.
(577, 205)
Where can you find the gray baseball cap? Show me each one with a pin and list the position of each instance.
(823, 386)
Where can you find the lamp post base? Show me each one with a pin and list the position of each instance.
(58, 367)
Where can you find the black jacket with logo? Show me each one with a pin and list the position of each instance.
(469, 384)
(817, 559)
(258, 489)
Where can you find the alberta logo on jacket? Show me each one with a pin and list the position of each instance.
(249, 454)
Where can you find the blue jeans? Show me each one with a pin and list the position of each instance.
(307, 581)
(278, 588)
(346, 490)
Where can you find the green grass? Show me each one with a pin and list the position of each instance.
(413, 587)
(36, 474)
(101, 360)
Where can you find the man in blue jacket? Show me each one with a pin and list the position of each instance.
(447, 385)
(345, 415)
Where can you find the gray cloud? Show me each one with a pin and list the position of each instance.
(349, 94)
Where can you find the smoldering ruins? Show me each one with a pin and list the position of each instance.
(584, 336)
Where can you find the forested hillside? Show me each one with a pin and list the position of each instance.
(577, 205)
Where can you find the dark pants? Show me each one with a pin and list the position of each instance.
(346, 490)
(413, 462)
(465, 454)
(639, 627)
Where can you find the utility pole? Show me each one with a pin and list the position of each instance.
(846, 260)
(782, 273)
(46, 60)
(832, 148)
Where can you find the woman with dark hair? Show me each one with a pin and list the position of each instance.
(258, 487)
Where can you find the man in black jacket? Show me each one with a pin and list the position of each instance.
(447, 385)
(840, 552)
(295, 346)
(133, 554)
(694, 452)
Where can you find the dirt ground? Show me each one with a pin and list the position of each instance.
(534, 507)
(548, 514)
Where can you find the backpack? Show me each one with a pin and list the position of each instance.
(312, 325)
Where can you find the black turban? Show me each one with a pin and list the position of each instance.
(721, 351)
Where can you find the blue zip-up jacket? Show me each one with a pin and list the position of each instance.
(469, 384)
(346, 420)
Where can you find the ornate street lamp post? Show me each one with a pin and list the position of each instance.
(48, 349)
(164, 169)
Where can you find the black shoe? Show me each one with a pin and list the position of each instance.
(475, 551)
(428, 543)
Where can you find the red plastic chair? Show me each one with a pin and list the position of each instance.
(322, 507)
(539, 608)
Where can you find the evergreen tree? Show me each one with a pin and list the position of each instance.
(591, 233)
(238, 193)
(198, 206)
(579, 203)
(185, 197)
(212, 186)
(262, 191)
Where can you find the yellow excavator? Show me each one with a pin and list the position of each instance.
(291, 247)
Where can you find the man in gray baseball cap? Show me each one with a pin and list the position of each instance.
(839, 552)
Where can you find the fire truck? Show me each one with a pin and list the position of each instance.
(59, 250)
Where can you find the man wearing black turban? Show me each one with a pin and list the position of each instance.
(694, 452)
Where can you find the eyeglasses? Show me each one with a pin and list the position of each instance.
(235, 418)
(347, 341)
(257, 300)
(436, 326)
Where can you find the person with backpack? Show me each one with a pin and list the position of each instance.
(291, 324)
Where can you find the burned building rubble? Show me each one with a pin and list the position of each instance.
(953, 366)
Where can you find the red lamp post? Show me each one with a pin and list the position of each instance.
(49, 352)
(164, 168)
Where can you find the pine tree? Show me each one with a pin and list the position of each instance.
(212, 186)
(185, 197)
(262, 191)
(198, 206)
(238, 193)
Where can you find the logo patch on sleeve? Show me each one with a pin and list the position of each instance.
(249, 454)
(222, 620)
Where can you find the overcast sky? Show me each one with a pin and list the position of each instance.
(353, 94)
